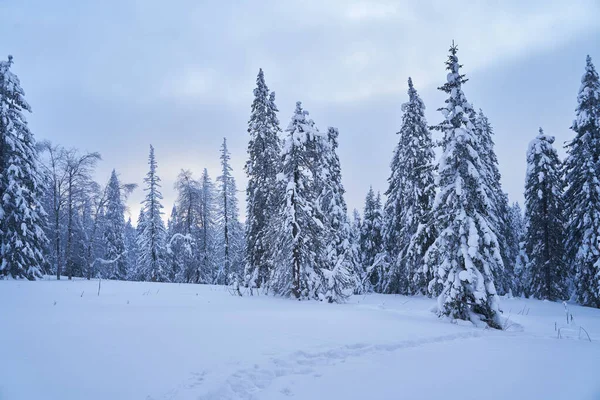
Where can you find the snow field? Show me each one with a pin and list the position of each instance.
(156, 341)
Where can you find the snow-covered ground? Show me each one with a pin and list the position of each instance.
(60, 340)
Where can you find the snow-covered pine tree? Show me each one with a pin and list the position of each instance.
(175, 247)
(237, 251)
(230, 229)
(152, 236)
(114, 231)
(131, 248)
(262, 196)
(410, 195)
(360, 274)
(371, 242)
(184, 236)
(297, 270)
(172, 221)
(516, 218)
(582, 196)
(546, 270)
(465, 252)
(339, 257)
(137, 273)
(499, 207)
(22, 239)
(208, 268)
(516, 250)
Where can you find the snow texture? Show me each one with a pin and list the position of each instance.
(162, 341)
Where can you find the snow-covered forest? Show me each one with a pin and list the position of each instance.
(443, 237)
(443, 228)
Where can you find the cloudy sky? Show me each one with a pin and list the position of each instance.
(116, 75)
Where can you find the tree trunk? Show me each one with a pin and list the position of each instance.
(57, 233)
(295, 250)
(70, 231)
(226, 232)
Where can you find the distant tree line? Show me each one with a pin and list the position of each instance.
(444, 228)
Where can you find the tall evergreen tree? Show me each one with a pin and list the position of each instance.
(230, 228)
(297, 270)
(208, 268)
(582, 196)
(176, 250)
(186, 227)
(132, 250)
(114, 231)
(262, 194)
(371, 242)
(339, 257)
(498, 202)
(516, 250)
(152, 237)
(92, 219)
(546, 269)
(172, 221)
(465, 252)
(360, 273)
(22, 238)
(137, 273)
(410, 196)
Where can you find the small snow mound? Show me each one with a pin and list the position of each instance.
(434, 308)
(462, 322)
(509, 325)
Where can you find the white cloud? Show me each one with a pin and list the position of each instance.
(185, 73)
(369, 48)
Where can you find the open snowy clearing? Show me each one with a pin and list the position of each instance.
(60, 340)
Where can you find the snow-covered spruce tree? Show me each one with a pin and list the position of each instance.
(229, 227)
(546, 269)
(515, 240)
(152, 232)
(410, 195)
(465, 252)
(499, 207)
(93, 220)
(114, 231)
(339, 257)
(131, 250)
(360, 274)
(175, 247)
(208, 268)
(521, 272)
(262, 196)
(371, 242)
(297, 270)
(22, 238)
(137, 273)
(582, 196)
(172, 221)
(184, 234)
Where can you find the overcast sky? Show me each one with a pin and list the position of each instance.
(116, 75)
